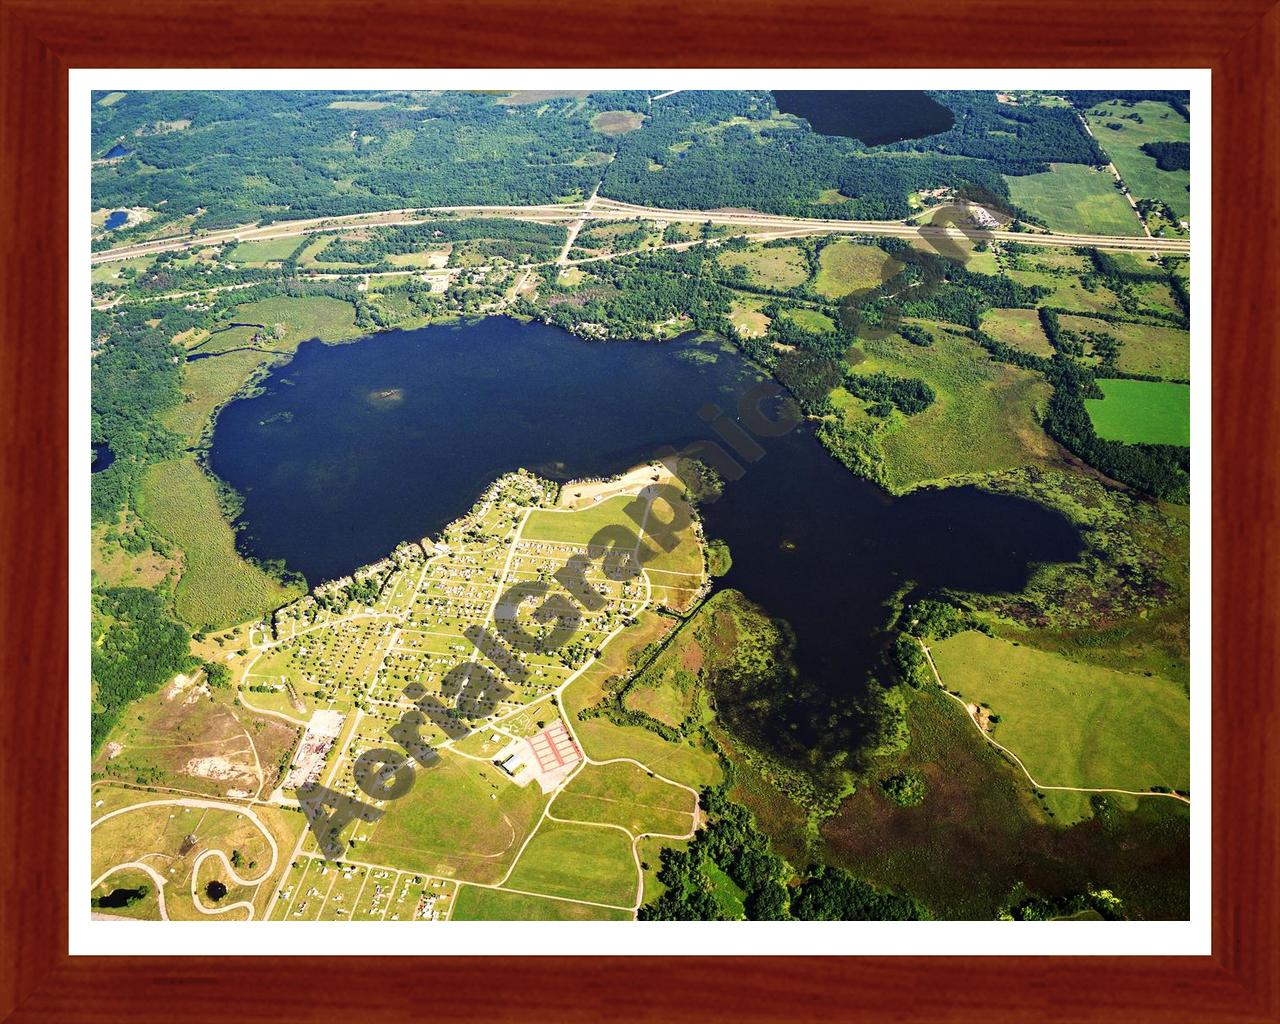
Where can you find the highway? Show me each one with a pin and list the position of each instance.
(601, 209)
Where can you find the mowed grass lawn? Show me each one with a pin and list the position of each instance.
(1076, 199)
(1160, 123)
(625, 794)
(580, 525)
(217, 587)
(982, 418)
(1073, 724)
(582, 862)
(475, 904)
(1144, 348)
(1019, 328)
(845, 267)
(1142, 412)
(779, 267)
(449, 823)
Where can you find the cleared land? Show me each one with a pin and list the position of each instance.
(1019, 328)
(1159, 123)
(1145, 348)
(584, 862)
(781, 267)
(476, 904)
(982, 417)
(625, 794)
(845, 266)
(616, 122)
(1075, 199)
(265, 251)
(1142, 412)
(1073, 724)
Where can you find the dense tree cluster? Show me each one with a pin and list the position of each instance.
(885, 391)
(139, 648)
(832, 894)
(1169, 156)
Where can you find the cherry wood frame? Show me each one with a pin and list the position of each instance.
(41, 39)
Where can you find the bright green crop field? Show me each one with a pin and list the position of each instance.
(1142, 412)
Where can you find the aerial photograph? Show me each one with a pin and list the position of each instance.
(653, 505)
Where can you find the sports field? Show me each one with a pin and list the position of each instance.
(1142, 412)
(1073, 724)
(1074, 198)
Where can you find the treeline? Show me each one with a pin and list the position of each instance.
(733, 843)
(513, 240)
(140, 648)
(1086, 99)
(1169, 156)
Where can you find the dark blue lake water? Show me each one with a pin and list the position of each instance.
(350, 449)
(115, 219)
(873, 116)
(117, 151)
(103, 456)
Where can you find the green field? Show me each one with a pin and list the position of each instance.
(579, 526)
(982, 418)
(266, 250)
(218, 587)
(303, 317)
(1075, 199)
(1073, 724)
(1160, 123)
(810, 319)
(450, 825)
(845, 266)
(1019, 328)
(779, 267)
(1145, 348)
(1142, 412)
(583, 862)
(625, 794)
(475, 904)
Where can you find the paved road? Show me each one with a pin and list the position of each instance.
(599, 208)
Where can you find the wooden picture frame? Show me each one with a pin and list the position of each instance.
(41, 39)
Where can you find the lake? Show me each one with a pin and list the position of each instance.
(872, 116)
(117, 151)
(115, 219)
(349, 449)
(103, 456)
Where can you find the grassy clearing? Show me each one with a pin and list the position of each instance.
(111, 99)
(845, 266)
(810, 319)
(476, 904)
(1145, 348)
(1075, 199)
(1142, 412)
(1073, 724)
(1019, 328)
(747, 319)
(1160, 123)
(266, 250)
(450, 824)
(145, 909)
(217, 587)
(210, 383)
(624, 794)
(583, 862)
(777, 267)
(982, 418)
(111, 271)
(303, 317)
(617, 122)
(578, 527)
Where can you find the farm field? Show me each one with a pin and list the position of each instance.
(1073, 724)
(1160, 123)
(1142, 412)
(1075, 199)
